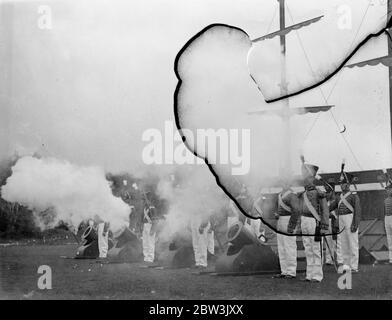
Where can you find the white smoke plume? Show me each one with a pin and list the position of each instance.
(197, 196)
(97, 102)
(74, 193)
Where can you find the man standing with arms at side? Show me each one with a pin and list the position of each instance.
(314, 221)
(202, 240)
(103, 239)
(288, 204)
(149, 219)
(348, 208)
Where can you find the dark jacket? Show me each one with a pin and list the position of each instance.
(291, 201)
(342, 209)
(318, 199)
(152, 214)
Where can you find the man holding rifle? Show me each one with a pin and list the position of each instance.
(314, 216)
(348, 208)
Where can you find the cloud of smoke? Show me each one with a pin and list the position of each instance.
(217, 92)
(72, 192)
(103, 74)
(196, 196)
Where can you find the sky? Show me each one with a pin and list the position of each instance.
(86, 89)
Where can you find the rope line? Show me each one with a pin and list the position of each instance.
(334, 86)
(272, 21)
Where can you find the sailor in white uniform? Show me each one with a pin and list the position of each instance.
(103, 239)
(348, 208)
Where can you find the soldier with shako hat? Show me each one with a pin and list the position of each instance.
(348, 208)
(388, 213)
(314, 216)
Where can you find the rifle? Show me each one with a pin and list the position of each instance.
(343, 173)
(325, 183)
(342, 167)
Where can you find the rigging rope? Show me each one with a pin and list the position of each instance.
(272, 21)
(334, 86)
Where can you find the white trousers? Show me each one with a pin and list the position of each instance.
(211, 242)
(103, 244)
(202, 243)
(148, 243)
(314, 267)
(388, 228)
(287, 249)
(348, 243)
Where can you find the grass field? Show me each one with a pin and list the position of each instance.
(87, 279)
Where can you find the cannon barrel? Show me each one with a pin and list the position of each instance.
(89, 235)
(246, 253)
(239, 236)
(125, 236)
(128, 247)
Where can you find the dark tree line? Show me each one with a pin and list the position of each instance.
(16, 221)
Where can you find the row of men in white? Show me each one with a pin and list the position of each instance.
(202, 238)
(202, 235)
(312, 213)
(318, 213)
(344, 213)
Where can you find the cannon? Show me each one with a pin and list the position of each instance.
(180, 254)
(246, 253)
(127, 248)
(89, 235)
(89, 248)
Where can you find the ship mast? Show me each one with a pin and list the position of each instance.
(286, 112)
(366, 177)
(286, 169)
(389, 8)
